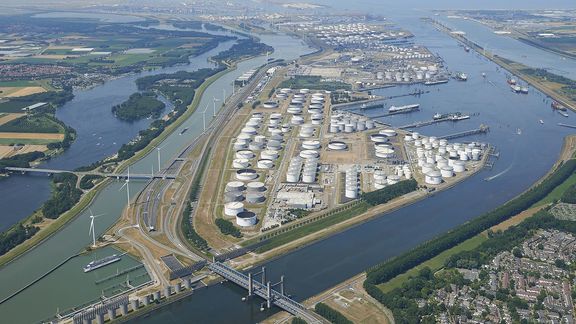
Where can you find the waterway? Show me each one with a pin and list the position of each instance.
(99, 134)
(325, 263)
(527, 157)
(110, 202)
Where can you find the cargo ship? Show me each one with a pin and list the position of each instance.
(511, 81)
(401, 109)
(93, 265)
(558, 106)
(434, 82)
(184, 131)
(518, 89)
(461, 76)
(451, 116)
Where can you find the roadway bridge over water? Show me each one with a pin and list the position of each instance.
(265, 290)
(102, 174)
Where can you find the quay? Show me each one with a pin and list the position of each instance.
(480, 130)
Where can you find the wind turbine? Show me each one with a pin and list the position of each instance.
(91, 230)
(214, 102)
(158, 148)
(204, 117)
(224, 95)
(127, 185)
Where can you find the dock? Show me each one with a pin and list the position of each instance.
(480, 130)
(396, 113)
(427, 123)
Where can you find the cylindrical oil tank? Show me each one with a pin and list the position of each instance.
(233, 196)
(415, 135)
(447, 171)
(246, 174)
(379, 138)
(293, 177)
(361, 125)
(297, 120)
(265, 164)
(245, 154)
(239, 146)
(349, 128)
(334, 128)
(388, 132)
(235, 186)
(255, 198)
(433, 177)
(249, 130)
(337, 145)
(308, 154)
(255, 186)
(274, 145)
(393, 179)
(269, 155)
(294, 110)
(246, 218)
(233, 208)
(427, 167)
(309, 177)
(459, 166)
(311, 145)
(240, 163)
(370, 124)
(255, 146)
(384, 153)
(270, 104)
(316, 121)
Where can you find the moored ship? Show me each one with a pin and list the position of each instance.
(93, 265)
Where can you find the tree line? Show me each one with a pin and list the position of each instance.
(332, 315)
(390, 269)
(64, 195)
(384, 195)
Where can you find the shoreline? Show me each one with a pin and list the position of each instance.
(503, 63)
(282, 316)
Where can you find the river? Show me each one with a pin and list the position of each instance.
(524, 158)
(323, 264)
(110, 202)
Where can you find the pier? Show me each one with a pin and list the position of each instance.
(102, 174)
(396, 113)
(264, 289)
(481, 130)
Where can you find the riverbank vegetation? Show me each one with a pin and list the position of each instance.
(64, 195)
(332, 315)
(398, 265)
(89, 181)
(242, 49)
(138, 106)
(15, 236)
(567, 86)
(21, 160)
(384, 195)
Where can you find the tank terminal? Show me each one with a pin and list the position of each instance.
(296, 154)
(369, 56)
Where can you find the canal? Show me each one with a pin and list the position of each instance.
(524, 158)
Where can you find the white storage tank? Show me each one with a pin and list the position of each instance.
(379, 138)
(459, 166)
(240, 163)
(246, 174)
(433, 177)
(255, 198)
(265, 164)
(270, 104)
(388, 132)
(370, 124)
(393, 179)
(309, 154)
(309, 177)
(415, 135)
(447, 171)
(255, 186)
(269, 155)
(233, 196)
(337, 146)
(249, 130)
(245, 154)
(334, 128)
(427, 167)
(311, 145)
(246, 219)
(236, 186)
(297, 120)
(384, 152)
(255, 146)
(233, 208)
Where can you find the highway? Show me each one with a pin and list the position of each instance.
(149, 202)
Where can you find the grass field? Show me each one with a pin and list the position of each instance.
(33, 141)
(435, 263)
(558, 191)
(10, 92)
(4, 118)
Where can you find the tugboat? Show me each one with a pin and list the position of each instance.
(558, 106)
(461, 76)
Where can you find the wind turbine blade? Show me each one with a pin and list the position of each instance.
(90, 210)
(96, 216)
(91, 226)
(124, 185)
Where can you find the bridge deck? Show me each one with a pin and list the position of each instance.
(108, 175)
(282, 301)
